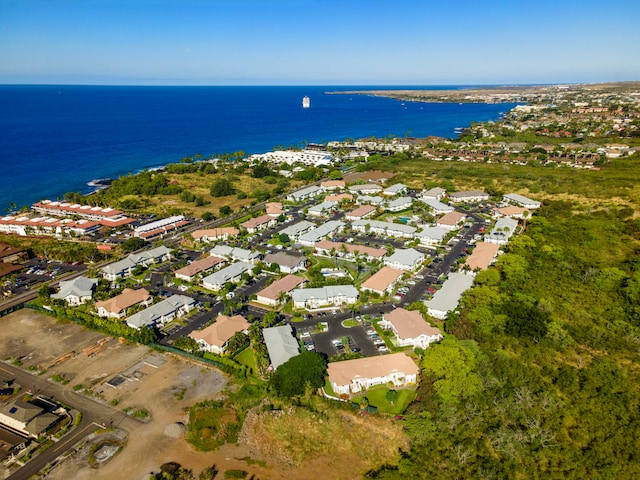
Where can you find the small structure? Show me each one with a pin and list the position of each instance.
(396, 189)
(410, 329)
(271, 294)
(117, 306)
(235, 253)
(354, 376)
(451, 220)
(471, 196)
(194, 268)
(399, 204)
(522, 201)
(360, 213)
(331, 296)
(260, 223)
(214, 338)
(288, 263)
(76, 291)
(214, 234)
(432, 235)
(232, 273)
(281, 344)
(502, 231)
(163, 312)
(405, 259)
(383, 280)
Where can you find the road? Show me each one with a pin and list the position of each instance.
(94, 415)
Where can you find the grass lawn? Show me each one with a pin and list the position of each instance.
(377, 397)
(246, 357)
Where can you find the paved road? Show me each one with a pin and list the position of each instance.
(94, 415)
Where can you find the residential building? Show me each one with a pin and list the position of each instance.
(271, 294)
(310, 238)
(214, 234)
(288, 263)
(332, 185)
(349, 250)
(117, 306)
(25, 417)
(9, 253)
(512, 211)
(27, 226)
(231, 274)
(77, 291)
(331, 296)
(304, 193)
(162, 312)
(436, 206)
(109, 217)
(522, 201)
(214, 338)
(435, 193)
(355, 376)
(397, 189)
(294, 230)
(383, 281)
(432, 235)
(281, 344)
(369, 200)
(482, 256)
(196, 267)
(322, 209)
(274, 209)
(451, 220)
(260, 223)
(405, 259)
(339, 197)
(367, 188)
(124, 267)
(290, 157)
(471, 196)
(410, 329)
(447, 298)
(160, 227)
(502, 231)
(360, 213)
(387, 229)
(235, 253)
(399, 204)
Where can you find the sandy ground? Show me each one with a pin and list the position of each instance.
(38, 339)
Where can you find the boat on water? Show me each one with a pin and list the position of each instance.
(306, 102)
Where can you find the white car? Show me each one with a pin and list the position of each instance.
(230, 295)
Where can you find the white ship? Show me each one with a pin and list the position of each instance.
(306, 102)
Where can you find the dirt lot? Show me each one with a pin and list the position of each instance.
(38, 339)
(166, 387)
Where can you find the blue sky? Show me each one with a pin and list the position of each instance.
(318, 42)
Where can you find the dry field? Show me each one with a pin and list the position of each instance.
(291, 445)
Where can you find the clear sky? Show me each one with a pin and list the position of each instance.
(318, 42)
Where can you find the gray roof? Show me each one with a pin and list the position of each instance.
(396, 188)
(305, 192)
(295, 229)
(370, 199)
(434, 192)
(281, 344)
(521, 200)
(468, 194)
(324, 293)
(446, 299)
(322, 231)
(399, 202)
(385, 225)
(136, 258)
(156, 312)
(321, 207)
(79, 287)
(434, 233)
(226, 274)
(284, 259)
(408, 256)
(437, 205)
(234, 252)
(502, 230)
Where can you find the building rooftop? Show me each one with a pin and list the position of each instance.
(482, 255)
(285, 284)
(219, 332)
(342, 373)
(410, 323)
(382, 279)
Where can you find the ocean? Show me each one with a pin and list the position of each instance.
(55, 139)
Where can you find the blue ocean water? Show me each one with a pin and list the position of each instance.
(54, 139)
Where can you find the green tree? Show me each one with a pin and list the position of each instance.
(132, 244)
(187, 344)
(221, 188)
(225, 210)
(293, 377)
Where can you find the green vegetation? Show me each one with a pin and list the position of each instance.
(538, 374)
(299, 373)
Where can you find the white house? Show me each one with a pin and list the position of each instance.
(281, 344)
(383, 280)
(294, 230)
(304, 193)
(354, 376)
(436, 206)
(271, 294)
(431, 235)
(117, 306)
(76, 291)
(399, 204)
(410, 329)
(384, 228)
(213, 234)
(405, 259)
(163, 312)
(321, 209)
(331, 296)
(502, 231)
(260, 223)
(214, 338)
(367, 188)
(232, 273)
(471, 196)
(397, 189)
(360, 213)
(446, 299)
(287, 263)
(522, 201)
(235, 253)
(435, 193)
(312, 237)
(451, 220)
(124, 267)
